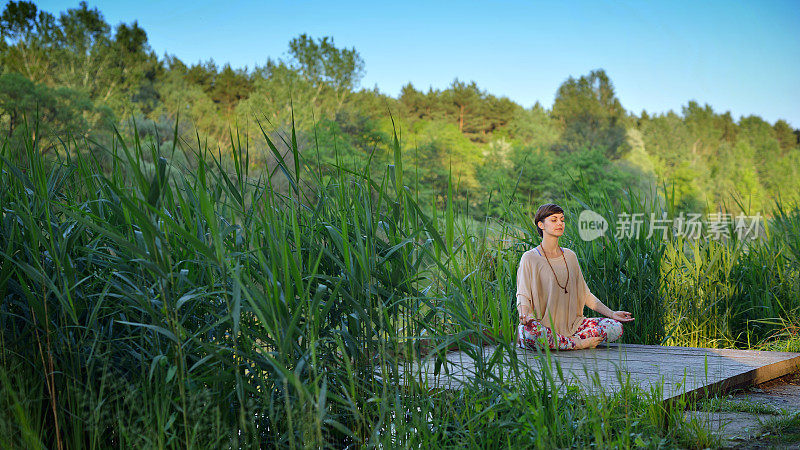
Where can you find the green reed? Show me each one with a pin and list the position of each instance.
(158, 301)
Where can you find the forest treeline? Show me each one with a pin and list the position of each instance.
(79, 77)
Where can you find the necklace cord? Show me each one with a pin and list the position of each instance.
(554, 271)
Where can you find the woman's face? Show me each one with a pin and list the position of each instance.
(553, 224)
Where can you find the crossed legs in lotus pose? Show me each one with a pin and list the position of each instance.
(608, 330)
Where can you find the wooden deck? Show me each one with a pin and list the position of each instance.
(682, 370)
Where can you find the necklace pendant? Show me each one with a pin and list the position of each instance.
(565, 291)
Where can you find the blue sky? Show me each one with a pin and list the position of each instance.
(737, 56)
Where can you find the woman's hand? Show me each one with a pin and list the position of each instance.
(622, 316)
(590, 342)
(526, 319)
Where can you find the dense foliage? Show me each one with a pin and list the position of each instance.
(77, 74)
(160, 305)
(174, 282)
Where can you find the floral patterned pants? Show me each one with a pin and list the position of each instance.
(529, 336)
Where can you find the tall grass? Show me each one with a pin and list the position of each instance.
(150, 304)
(733, 292)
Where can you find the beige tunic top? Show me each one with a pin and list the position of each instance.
(540, 297)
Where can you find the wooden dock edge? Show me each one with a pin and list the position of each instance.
(756, 376)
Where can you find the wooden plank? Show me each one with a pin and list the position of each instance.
(651, 365)
(682, 370)
(729, 360)
(745, 355)
(754, 376)
(713, 370)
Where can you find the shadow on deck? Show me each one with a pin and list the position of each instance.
(682, 370)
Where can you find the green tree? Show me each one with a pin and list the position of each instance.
(497, 114)
(187, 102)
(591, 115)
(132, 70)
(787, 138)
(229, 87)
(202, 75)
(672, 150)
(668, 142)
(534, 127)
(442, 149)
(85, 38)
(759, 135)
(465, 102)
(420, 106)
(708, 129)
(59, 111)
(323, 65)
(589, 172)
(28, 39)
(733, 173)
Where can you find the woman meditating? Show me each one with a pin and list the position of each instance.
(551, 294)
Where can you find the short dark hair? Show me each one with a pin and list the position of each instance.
(544, 211)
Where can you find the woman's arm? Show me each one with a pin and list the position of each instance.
(525, 291)
(595, 304)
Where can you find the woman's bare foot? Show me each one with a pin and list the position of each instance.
(590, 342)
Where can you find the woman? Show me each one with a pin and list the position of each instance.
(551, 294)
